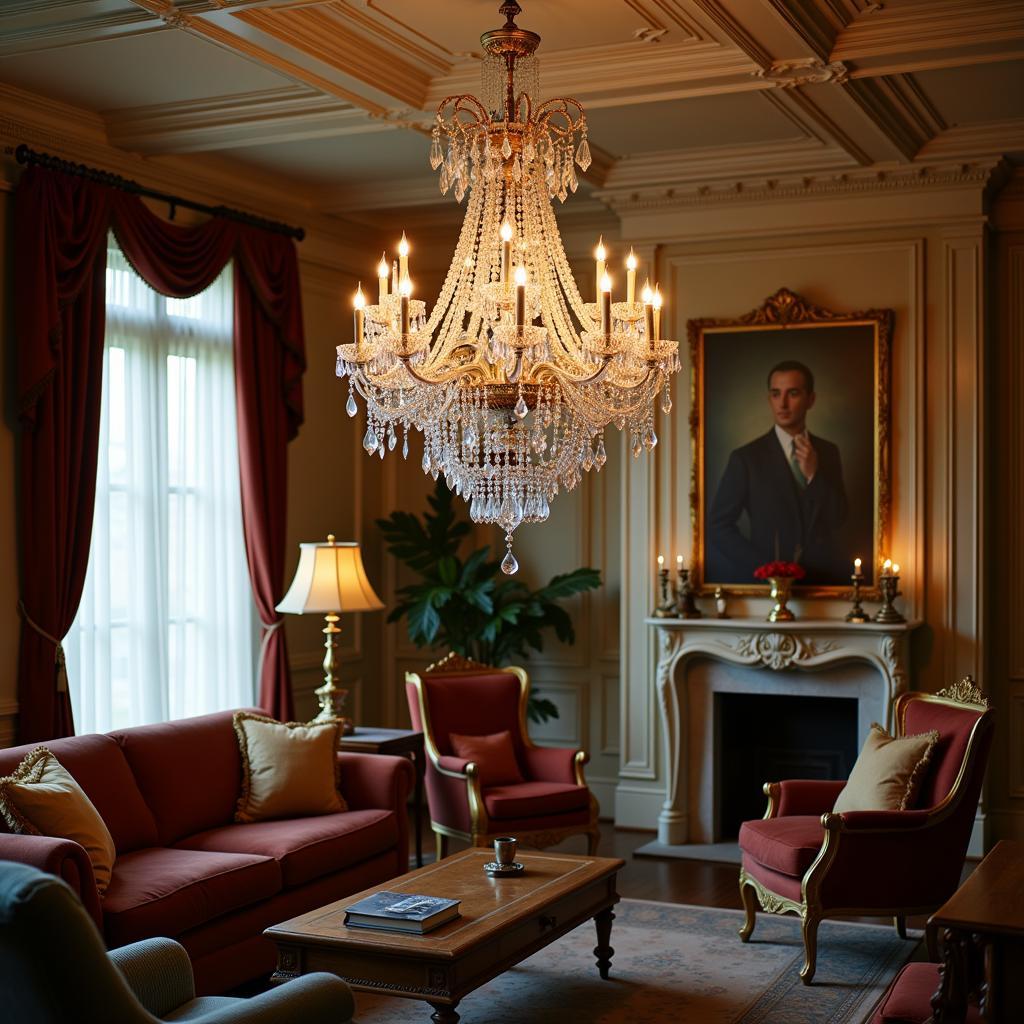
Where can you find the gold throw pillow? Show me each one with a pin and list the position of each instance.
(40, 798)
(888, 772)
(289, 769)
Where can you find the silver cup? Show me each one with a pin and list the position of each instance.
(505, 850)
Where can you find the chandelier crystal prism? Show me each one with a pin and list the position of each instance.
(512, 379)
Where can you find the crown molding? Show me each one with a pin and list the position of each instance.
(245, 119)
(47, 24)
(815, 25)
(986, 138)
(898, 109)
(878, 180)
(733, 32)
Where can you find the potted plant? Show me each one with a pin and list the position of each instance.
(468, 605)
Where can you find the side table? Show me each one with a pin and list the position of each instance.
(984, 921)
(405, 743)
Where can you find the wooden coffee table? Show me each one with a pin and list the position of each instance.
(503, 921)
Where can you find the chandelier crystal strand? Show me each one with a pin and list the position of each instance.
(512, 379)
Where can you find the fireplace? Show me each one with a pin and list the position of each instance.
(768, 737)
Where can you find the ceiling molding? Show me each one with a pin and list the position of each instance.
(990, 138)
(734, 32)
(245, 119)
(798, 71)
(909, 37)
(814, 24)
(863, 181)
(604, 76)
(897, 109)
(326, 34)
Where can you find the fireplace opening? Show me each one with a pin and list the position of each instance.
(763, 738)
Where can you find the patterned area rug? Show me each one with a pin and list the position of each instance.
(678, 964)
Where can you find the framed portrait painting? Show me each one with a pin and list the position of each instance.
(790, 429)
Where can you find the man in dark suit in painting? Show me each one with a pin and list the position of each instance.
(789, 484)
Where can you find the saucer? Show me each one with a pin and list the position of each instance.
(497, 870)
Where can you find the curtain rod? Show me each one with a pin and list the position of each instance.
(24, 155)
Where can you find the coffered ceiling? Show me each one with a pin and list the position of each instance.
(335, 97)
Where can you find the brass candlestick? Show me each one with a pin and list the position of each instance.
(889, 585)
(856, 613)
(686, 608)
(667, 608)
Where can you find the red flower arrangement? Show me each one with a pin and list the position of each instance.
(790, 570)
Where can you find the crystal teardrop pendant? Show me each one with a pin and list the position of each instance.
(520, 409)
(405, 447)
(350, 406)
(370, 440)
(583, 155)
(666, 402)
(435, 152)
(509, 564)
(506, 148)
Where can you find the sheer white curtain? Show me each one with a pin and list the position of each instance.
(166, 627)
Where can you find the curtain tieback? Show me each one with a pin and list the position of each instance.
(58, 648)
(269, 629)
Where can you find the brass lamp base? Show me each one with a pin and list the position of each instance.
(331, 697)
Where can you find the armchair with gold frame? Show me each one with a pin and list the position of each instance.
(461, 696)
(802, 858)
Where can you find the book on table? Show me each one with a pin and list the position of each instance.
(401, 912)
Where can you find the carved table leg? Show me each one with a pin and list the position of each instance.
(603, 950)
(445, 1014)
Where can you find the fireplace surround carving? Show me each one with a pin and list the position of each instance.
(817, 657)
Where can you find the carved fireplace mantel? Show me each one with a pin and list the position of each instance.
(793, 658)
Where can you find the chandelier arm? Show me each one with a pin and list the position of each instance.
(560, 105)
(463, 101)
(541, 371)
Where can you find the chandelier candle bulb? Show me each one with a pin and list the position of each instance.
(394, 277)
(657, 313)
(601, 254)
(520, 296)
(856, 567)
(382, 278)
(406, 290)
(360, 303)
(403, 255)
(631, 277)
(606, 305)
(887, 567)
(506, 251)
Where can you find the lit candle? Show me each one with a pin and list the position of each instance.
(657, 313)
(506, 251)
(630, 277)
(887, 567)
(895, 568)
(600, 254)
(394, 276)
(403, 255)
(856, 566)
(679, 563)
(606, 305)
(382, 277)
(520, 296)
(661, 562)
(360, 302)
(406, 290)
(648, 298)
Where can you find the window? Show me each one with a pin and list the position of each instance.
(167, 625)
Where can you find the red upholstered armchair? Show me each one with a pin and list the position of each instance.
(805, 859)
(463, 698)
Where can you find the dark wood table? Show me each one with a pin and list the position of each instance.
(404, 743)
(502, 922)
(982, 927)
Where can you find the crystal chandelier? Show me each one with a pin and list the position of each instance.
(513, 378)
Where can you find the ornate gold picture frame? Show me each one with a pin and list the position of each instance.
(750, 503)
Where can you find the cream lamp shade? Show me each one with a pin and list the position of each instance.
(330, 578)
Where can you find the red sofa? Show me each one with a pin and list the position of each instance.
(186, 870)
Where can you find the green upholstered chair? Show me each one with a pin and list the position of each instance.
(54, 970)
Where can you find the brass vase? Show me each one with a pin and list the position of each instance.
(780, 593)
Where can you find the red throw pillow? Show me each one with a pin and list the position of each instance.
(495, 756)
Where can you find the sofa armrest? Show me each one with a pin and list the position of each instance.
(158, 971)
(376, 780)
(888, 820)
(551, 764)
(61, 857)
(804, 796)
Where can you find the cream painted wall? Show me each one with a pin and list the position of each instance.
(921, 252)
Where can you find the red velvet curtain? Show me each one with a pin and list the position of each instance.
(60, 238)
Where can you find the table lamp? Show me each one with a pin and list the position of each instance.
(330, 579)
